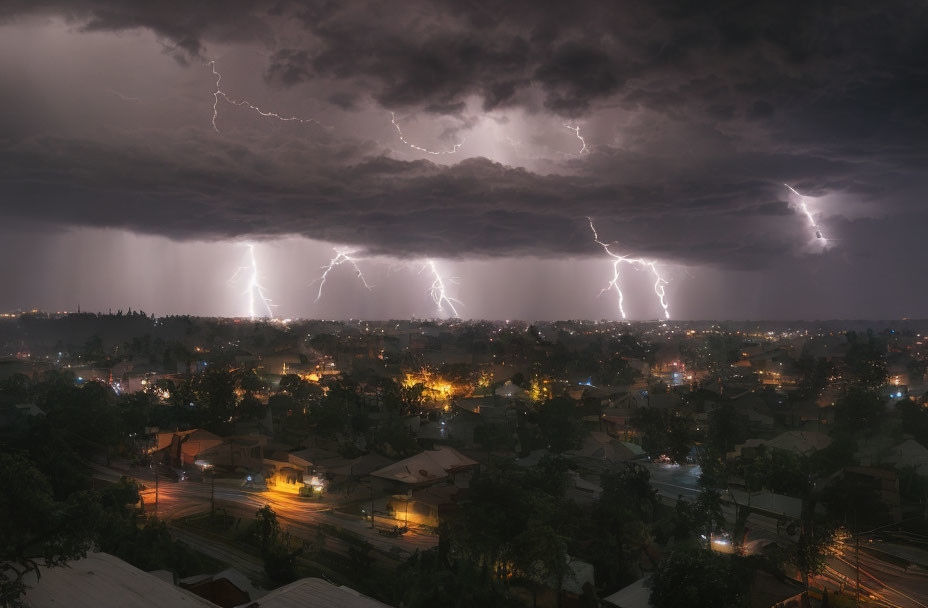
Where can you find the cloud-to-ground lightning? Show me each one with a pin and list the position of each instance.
(802, 205)
(576, 130)
(247, 104)
(341, 257)
(254, 290)
(399, 132)
(659, 281)
(439, 293)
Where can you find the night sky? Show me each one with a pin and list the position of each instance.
(117, 191)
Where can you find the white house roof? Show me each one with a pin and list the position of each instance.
(101, 579)
(427, 466)
(315, 593)
(636, 595)
(800, 442)
(910, 453)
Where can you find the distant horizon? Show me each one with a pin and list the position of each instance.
(17, 313)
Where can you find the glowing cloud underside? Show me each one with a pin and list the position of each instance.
(257, 298)
(341, 257)
(247, 104)
(438, 292)
(637, 263)
(399, 133)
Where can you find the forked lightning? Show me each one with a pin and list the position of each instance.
(659, 281)
(254, 290)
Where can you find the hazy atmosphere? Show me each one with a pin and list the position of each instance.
(483, 138)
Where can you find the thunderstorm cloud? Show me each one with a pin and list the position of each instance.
(694, 115)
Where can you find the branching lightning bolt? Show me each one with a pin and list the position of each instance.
(341, 257)
(438, 292)
(659, 281)
(254, 289)
(576, 130)
(399, 132)
(802, 205)
(247, 104)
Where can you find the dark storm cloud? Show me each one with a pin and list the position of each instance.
(186, 26)
(721, 102)
(474, 208)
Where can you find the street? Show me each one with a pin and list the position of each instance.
(298, 516)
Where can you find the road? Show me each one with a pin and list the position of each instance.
(674, 480)
(298, 516)
(882, 582)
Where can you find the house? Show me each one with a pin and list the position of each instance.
(183, 448)
(427, 506)
(508, 390)
(226, 589)
(767, 591)
(884, 481)
(428, 467)
(199, 448)
(315, 593)
(909, 453)
(287, 472)
(617, 421)
(600, 450)
(101, 579)
(636, 595)
(796, 442)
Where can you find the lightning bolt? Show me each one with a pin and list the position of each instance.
(247, 104)
(341, 257)
(438, 292)
(254, 289)
(617, 260)
(802, 205)
(123, 96)
(399, 132)
(576, 130)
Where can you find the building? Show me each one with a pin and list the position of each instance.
(226, 589)
(287, 472)
(427, 468)
(425, 507)
(802, 443)
(315, 593)
(101, 579)
(199, 448)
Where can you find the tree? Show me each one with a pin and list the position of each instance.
(809, 554)
(780, 472)
(558, 420)
(508, 525)
(727, 428)
(864, 362)
(855, 502)
(618, 526)
(35, 528)
(267, 528)
(699, 579)
(664, 433)
(492, 437)
(859, 409)
(426, 581)
(214, 392)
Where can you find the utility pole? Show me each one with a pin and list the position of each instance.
(156, 492)
(857, 554)
(212, 493)
(372, 503)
